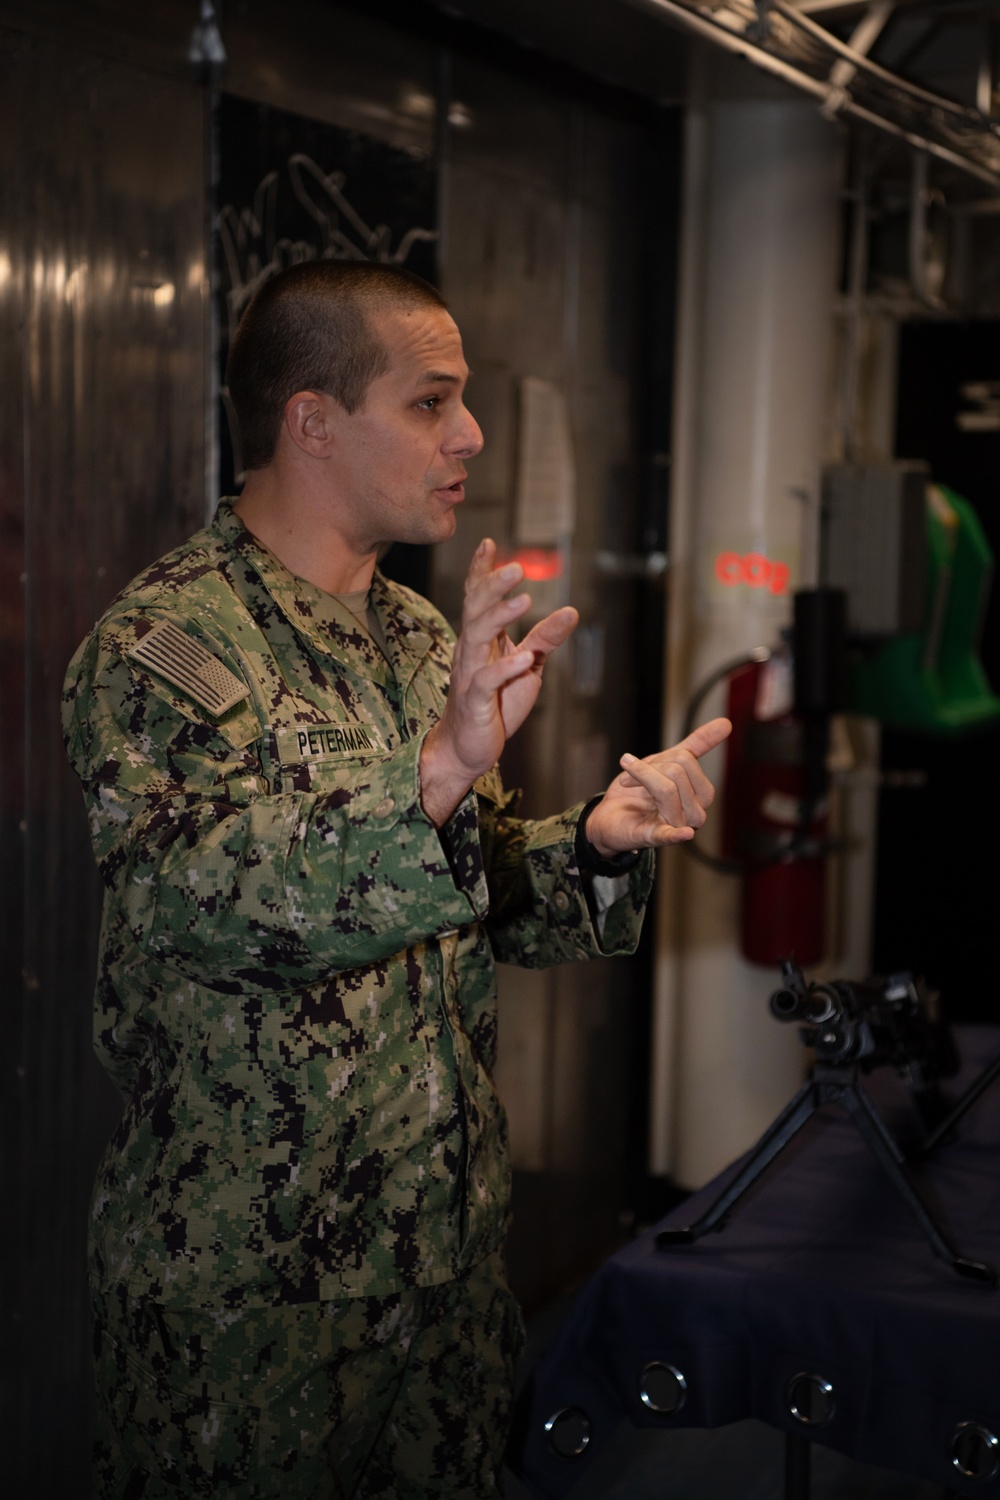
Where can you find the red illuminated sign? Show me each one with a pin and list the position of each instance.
(539, 563)
(753, 570)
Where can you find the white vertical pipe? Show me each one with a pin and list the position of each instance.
(753, 389)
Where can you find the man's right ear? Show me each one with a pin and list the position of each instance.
(306, 420)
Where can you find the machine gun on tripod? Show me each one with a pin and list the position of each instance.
(854, 1028)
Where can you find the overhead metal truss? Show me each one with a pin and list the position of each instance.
(788, 39)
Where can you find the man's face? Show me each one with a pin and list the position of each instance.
(399, 463)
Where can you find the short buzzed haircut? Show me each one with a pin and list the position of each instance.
(310, 328)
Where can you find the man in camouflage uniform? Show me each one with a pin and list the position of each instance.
(312, 869)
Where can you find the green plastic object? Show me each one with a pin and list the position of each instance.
(933, 680)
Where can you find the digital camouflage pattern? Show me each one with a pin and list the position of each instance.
(296, 989)
(403, 1397)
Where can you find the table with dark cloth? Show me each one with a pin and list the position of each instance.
(822, 1270)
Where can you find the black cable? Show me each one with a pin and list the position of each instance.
(801, 846)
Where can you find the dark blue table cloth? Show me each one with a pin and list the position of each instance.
(822, 1269)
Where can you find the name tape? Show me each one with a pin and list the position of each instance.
(298, 742)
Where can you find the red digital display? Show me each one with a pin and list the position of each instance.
(752, 570)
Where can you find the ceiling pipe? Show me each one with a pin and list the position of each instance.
(860, 61)
(926, 273)
(833, 101)
(863, 38)
(843, 9)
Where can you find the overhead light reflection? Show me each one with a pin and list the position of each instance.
(160, 293)
(75, 280)
(415, 102)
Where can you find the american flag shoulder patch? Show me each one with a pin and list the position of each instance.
(190, 666)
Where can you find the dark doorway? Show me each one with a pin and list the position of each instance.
(936, 881)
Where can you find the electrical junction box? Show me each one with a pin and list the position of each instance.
(873, 544)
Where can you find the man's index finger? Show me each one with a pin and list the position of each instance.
(706, 737)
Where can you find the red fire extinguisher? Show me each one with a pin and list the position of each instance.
(774, 816)
(774, 826)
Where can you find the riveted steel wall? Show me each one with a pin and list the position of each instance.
(102, 463)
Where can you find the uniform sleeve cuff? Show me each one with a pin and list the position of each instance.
(589, 860)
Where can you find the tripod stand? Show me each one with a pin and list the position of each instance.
(973, 1093)
(832, 1083)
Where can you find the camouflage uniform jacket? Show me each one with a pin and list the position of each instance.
(296, 991)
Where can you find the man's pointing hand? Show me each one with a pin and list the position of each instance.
(660, 800)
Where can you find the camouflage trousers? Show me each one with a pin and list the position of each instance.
(394, 1397)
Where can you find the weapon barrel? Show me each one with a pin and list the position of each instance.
(813, 1005)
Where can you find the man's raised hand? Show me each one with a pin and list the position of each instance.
(660, 800)
(494, 683)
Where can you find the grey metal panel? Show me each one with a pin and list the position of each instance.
(102, 469)
(154, 34)
(322, 60)
(873, 543)
(609, 38)
(543, 271)
(505, 278)
(333, 64)
(511, 128)
(12, 749)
